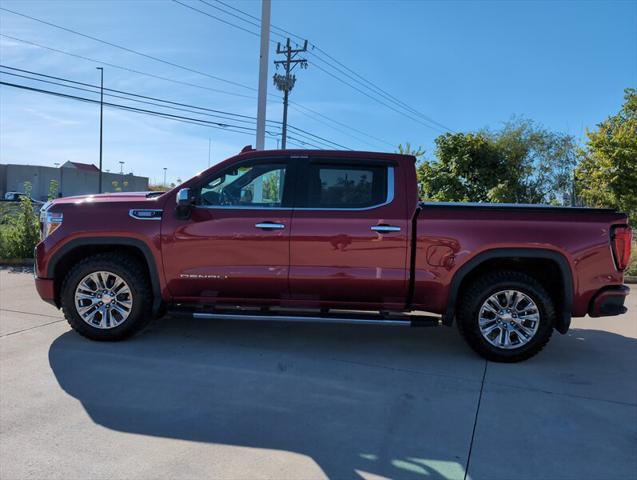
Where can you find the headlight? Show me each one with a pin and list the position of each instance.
(49, 223)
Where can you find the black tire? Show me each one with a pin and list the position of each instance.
(132, 272)
(480, 290)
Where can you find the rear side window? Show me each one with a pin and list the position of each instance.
(346, 186)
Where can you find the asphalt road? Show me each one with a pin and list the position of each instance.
(243, 400)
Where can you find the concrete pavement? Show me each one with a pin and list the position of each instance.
(238, 400)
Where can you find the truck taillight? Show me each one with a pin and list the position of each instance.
(621, 238)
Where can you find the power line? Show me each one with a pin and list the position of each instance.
(309, 137)
(373, 85)
(177, 118)
(194, 85)
(201, 122)
(377, 100)
(120, 96)
(131, 70)
(127, 49)
(256, 34)
(204, 111)
(284, 32)
(256, 24)
(216, 18)
(130, 50)
(359, 79)
(219, 112)
(310, 113)
(385, 96)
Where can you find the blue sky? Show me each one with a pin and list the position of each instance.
(467, 65)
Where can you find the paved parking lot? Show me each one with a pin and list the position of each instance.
(203, 399)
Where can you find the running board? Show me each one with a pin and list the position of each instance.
(356, 319)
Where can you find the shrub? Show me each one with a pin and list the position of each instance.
(19, 234)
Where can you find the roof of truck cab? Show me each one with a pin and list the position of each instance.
(326, 153)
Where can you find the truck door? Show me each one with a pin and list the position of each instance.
(348, 246)
(236, 243)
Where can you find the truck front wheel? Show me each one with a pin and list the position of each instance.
(107, 297)
(506, 316)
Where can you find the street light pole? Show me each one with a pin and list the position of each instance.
(165, 168)
(99, 190)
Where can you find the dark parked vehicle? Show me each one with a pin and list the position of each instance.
(17, 196)
(333, 237)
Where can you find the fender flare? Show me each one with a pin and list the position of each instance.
(563, 321)
(109, 241)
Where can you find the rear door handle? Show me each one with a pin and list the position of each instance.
(385, 228)
(270, 226)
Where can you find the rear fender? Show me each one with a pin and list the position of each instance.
(563, 320)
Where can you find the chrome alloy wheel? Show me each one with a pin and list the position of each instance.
(509, 319)
(103, 299)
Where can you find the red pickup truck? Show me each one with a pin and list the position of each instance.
(330, 236)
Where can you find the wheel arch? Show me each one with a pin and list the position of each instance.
(521, 259)
(78, 248)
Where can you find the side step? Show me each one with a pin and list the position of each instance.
(351, 318)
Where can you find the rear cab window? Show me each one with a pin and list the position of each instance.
(345, 185)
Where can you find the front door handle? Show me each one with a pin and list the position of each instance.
(385, 228)
(270, 226)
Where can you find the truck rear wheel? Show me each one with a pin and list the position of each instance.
(107, 297)
(506, 316)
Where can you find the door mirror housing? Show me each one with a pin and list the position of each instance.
(184, 203)
(184, 199)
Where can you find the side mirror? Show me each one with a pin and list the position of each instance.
(184, 203)
(183, 198)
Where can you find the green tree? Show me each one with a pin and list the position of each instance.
(407, 149)
(466, 168)
(539, 164)
(53, 189)
(607, 174)
(522, 162)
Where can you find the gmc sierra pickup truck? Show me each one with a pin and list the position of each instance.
(330, 236)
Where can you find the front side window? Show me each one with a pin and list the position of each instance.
(259, 186)
(335, 186)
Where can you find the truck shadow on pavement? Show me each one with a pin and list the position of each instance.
(398, 403)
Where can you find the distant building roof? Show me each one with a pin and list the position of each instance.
(87, 167)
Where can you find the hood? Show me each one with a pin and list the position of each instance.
(107, 198)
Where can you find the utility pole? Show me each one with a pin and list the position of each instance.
(285, 83)
(99, 189)
(263, 72)
(165, 168)
(209, 148)
(121, 174)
